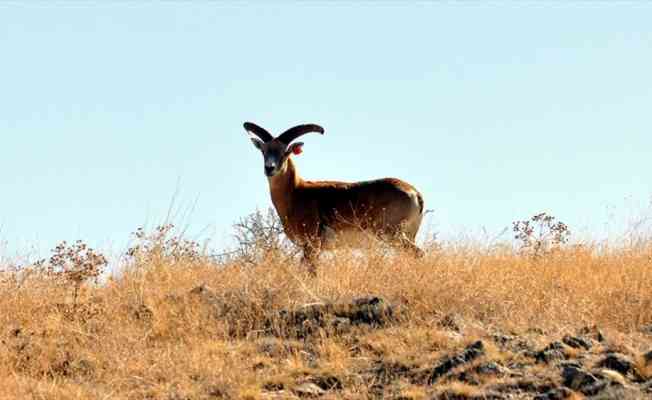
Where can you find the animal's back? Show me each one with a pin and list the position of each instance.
(366, 204)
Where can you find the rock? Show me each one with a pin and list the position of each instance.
(503, 340)
(273, 386)
(600, 385)
(490, 368)
(453, 395)
(384, 372)
(314, 311)
(647, 329)
(341, 325)
(303, 321)
(337, 318)
(647, 387)
(613, 377)
(527, 385)
(327, 382)
(487, 369)
(582, 381)
(577, 342)
(369, 310)
(364, 310)
(561, 393)
(575, 378)
(593, 332)
(616, 362)
(513, 343)
(470, 353)
(647, 357)
(575, 364)
(554, 351)
(309, 390)
(618, 393)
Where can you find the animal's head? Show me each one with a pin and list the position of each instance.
(277, 150)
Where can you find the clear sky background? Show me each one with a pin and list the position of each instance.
(494, 110)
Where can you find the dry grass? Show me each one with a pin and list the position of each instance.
(145, 334)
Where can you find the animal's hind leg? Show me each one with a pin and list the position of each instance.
(407, 244)
(403, 241)
(402, 229)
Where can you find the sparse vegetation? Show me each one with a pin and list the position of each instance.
(460, 323)
(71, 266)
(540, 235)
(258, 236)
(163, 245)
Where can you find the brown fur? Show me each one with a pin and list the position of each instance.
(388, 208)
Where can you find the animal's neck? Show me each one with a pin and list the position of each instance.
(282, 187)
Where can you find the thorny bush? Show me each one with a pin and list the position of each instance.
(259, 235)
(163, 244)
(541, 234)
(73, 265)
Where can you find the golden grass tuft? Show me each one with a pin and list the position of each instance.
(153, 331)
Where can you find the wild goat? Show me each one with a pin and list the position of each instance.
(316, 214)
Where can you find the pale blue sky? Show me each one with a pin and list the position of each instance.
(493, 110)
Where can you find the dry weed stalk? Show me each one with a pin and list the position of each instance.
(260, 235)
(163, 244)
(540, 235)
(72, 265)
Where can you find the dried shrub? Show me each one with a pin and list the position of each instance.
(259, 235)
(164, 244)
(540, 235)
(72, 265)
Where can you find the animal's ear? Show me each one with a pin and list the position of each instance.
(257, 142)
(294, 148)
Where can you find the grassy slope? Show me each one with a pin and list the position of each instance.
(145, 335)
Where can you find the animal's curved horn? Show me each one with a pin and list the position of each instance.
(288, 136)
(258, 131)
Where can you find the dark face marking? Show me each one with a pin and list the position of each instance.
(274, 153)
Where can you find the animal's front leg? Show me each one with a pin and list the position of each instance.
(327, 237)
(311, 252)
